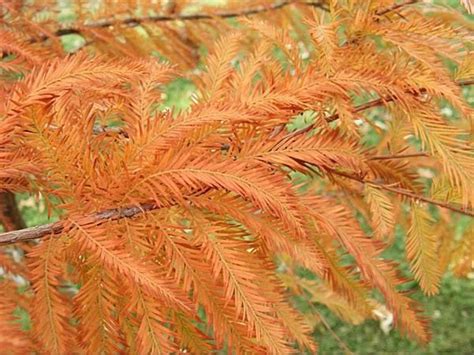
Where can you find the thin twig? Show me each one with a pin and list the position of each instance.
(396, 7)
(363, 107)
(104, 129)
(407, 193)
(431, 201)
(341, 343)
(366, 106)
(399, 156)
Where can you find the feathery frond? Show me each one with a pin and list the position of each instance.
(421, 250)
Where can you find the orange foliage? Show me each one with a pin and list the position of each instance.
(182, 230)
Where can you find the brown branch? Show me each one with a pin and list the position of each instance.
(406, 193)
(387, 99)
(366, 106)
(335, 117)
(10, 215)
(341, 343)
(97, 218)
(395, 7)
(104, 129)
(136, 21)
(399, 156)
(431, 201)
(42, 231)
(465, 82)
(363, 107)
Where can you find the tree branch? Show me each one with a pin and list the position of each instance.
(399, 156)
(42, 231)
(465, 82)
(366, 106)
(10, 215)
(112, 214)
(396, 7)
(136, 21)
(363, 107)
(409, 194)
